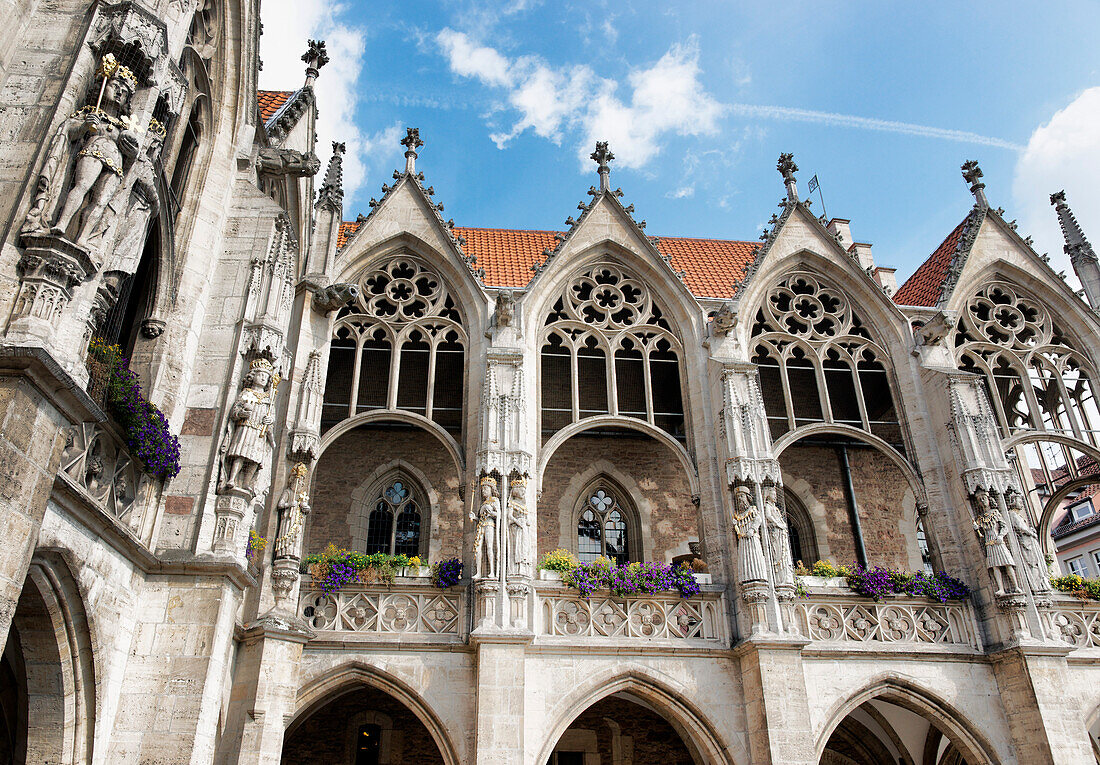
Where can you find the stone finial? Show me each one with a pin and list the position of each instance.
(972, 174)
(787, 168)
(1081, 255)
(332, 188)
(315, 57)
(602, 156)
(411, 142)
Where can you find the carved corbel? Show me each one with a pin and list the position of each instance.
(287, 162)
(329, 297)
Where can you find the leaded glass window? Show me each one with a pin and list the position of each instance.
(397, 500)
(603, 529)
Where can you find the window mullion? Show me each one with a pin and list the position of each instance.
(648, 378)
(858, 385)
(574, 383)
(823, 389)
(395, 375)
(357, 366)
(787, 393)
(434, 350)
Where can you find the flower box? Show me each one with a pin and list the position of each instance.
(549, 576)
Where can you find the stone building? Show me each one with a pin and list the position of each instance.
(400, 384)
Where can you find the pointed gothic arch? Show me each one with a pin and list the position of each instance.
(669, 698)
(347, 678)
(963, 734)
(820, 361)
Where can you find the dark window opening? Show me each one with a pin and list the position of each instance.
(368, 745)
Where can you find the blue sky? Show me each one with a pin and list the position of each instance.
(883, 101)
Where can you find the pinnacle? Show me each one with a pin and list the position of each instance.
(1076, 246)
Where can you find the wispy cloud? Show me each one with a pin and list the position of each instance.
(684, 192)
(665, 98)
(790, 114)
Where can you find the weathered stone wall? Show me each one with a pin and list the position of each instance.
(647, 736)
(361, 457)
(887, 509)
(647, 470)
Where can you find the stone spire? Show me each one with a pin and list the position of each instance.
(1081, 254)
(787, 168)
(601, 156)
(332, 188)
(972, 174)
(315, 57)
(411, 142)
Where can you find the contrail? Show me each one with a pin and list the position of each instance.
(867, 123)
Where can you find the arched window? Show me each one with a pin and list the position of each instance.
(605, 526)
(608, 349)
(818, 362)
(801, 531)
(401, 345)
(394, 521)
(1035, 375)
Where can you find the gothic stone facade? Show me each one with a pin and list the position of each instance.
(399, 384)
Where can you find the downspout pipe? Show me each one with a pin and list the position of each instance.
(853, 508)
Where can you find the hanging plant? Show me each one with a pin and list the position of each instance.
(144, 427)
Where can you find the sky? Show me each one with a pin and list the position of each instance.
(882, 101)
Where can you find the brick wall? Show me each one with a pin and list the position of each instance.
(352, 460)
(323, 739)
(886, 504)
(651, 738)
(646, 469)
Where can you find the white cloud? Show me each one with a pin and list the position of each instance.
(666, 98)
(684, 192)
(289, 25)
(1062, 154)
(471, 60)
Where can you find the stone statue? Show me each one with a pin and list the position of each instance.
(249, 435)
(486, 516)
(725, 319)
(293, 506)
(992, 532)
(134, 205)
(779, 541)
(518, 547)
(505, 308)
(747, 524)
(107, 143)
(1035, 565)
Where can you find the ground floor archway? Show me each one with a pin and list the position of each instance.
(362, 726)
(622, 729)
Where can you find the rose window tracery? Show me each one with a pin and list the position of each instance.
(1036, 377)
(400, 345)
(818, 362)
(609, 349)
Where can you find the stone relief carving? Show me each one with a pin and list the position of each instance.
(289, 162)
(485, 539)
(1035, 565)
(249, 437)
(779, 543)
(725, 319)
(748, 525)
(97, 462)
(518, 545)
(992, 532)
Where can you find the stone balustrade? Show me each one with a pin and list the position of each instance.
(1075, 622)
(410, 606)
(840, 618)
(663, 617)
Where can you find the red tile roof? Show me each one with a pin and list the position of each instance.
(925, 285)
(712, 267)
(270, 101)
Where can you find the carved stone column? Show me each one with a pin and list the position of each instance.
(50, 268)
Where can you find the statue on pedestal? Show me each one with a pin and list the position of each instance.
(992, 532)
(779, 540)
(486, 517)
(747, 523)
(518, 561)
(249, 437)
(1035, 565)
(107, 143)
